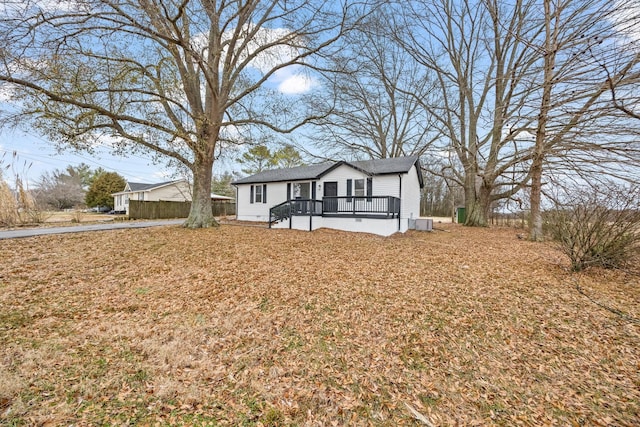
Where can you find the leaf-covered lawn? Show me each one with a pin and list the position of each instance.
(250, 326)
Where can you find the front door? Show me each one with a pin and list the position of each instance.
(330, 190)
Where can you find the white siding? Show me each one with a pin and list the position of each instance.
(178, 192)
(387, 185)
(383, 185)
(410, 207)
(381, 227)
(119, 202)
(340, 175)
(302, 222)
(247, 211)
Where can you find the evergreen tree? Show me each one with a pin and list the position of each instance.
(101, 189)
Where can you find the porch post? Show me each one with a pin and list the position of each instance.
(399, 201)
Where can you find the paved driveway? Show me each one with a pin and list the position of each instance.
(30, 232)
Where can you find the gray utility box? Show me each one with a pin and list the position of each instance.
(424, 224)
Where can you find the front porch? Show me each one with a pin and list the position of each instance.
(358, 208)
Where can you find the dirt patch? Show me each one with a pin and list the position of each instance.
(251, 326)
(61, 219)
(77, 217)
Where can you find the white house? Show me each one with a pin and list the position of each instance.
(373, 196)
(174, 191)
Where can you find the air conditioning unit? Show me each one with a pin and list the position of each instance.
(424, 224)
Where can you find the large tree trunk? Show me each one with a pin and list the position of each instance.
(535, 226)
(478, 212)
(201, 214)
(476, 202)
(476, 215)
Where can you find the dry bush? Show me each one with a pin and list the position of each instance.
(19, 207)
(29, 211)
(76, 216)
(598, 227)
(8, 205)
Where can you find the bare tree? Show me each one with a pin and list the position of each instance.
(519, 90)
(375, 92)
(179, 78)
(575, 120)
(480, 54)
(59, 190)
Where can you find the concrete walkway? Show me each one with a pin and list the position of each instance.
(30, 232)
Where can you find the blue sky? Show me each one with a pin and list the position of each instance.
(36, 155)
(40, 155)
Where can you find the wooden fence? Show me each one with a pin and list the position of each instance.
(162, 210)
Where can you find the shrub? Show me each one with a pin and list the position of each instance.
(597, 226)
(105, 184)
(19, 206)
(76, 216)
(8, 205)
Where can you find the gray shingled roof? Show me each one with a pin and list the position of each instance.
(300, 173)
(386, 166)
(138, 186)
(289, 174)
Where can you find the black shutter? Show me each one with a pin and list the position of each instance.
(313, 190)
(349, 184)
(288, 191)
(251, 195)
(264, 193)
(369, 189)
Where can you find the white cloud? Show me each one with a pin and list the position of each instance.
(264, 61)
(276, 55)
(293, 80)
(60, 5)
(289, 80)
(296, 84)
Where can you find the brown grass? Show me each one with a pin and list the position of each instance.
(250, 326)
(58, 219)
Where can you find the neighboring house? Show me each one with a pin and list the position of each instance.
(174, 191)
(220, 198)
(373, 196)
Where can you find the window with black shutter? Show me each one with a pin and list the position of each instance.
(359, 188)
(258, 194)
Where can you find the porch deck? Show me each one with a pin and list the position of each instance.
(382, 207)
